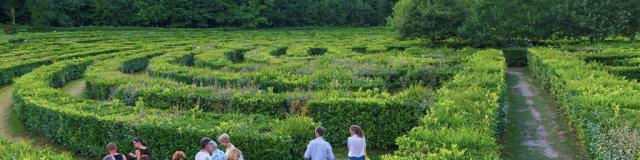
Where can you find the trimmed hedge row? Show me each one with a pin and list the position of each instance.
(467, 116)
(383, 118)
(10, 70)
(603, 108)
(364, 72)
(86, 126)
(630, 72)
(516, 56)
(15, 151)
(376, 109)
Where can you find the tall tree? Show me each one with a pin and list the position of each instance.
(434, 20)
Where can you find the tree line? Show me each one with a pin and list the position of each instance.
(197, 13)
(503, 22)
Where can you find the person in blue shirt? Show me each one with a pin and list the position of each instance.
(217, 154)
(319, 149)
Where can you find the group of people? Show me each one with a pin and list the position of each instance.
(208, 151)
(317, 149)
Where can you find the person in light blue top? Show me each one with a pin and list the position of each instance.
(217, 154)
(319, 149)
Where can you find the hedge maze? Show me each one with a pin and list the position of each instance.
(267, 89)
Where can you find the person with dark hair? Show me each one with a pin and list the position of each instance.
(144, 157)
(112, 152)
(205, 149)
(319, 149)
(141, 149)
(356, 143)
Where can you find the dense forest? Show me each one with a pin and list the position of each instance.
(496, 22)
(197, 13)
(476, 22)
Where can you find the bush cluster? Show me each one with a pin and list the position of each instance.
(467, 117)
(86, 125)
(603, 108)
(104, 81)
(204, 13)
(515, 22)
(22, 150)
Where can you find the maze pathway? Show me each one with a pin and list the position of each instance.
(5, 106)
(536, 129)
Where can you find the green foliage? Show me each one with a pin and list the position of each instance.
(88, 125)
(279, 51)
(516, 56)
(467, 116)
(597, 103)
(205, 13)
(434, 20)
(384, 118)
(316, 51)
(15, 151)
(508, 23)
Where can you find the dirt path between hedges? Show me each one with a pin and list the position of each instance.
(535, 129)
(12, 130)
(5, 110)
(74, 88)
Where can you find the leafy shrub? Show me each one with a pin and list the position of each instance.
(468, 115)
(235, 56)
(594, 100)
(22, 150)
(383, 119)
(608, 59)
(279, 51)
(516, 56)
(316, 51)
(85, 126)
(628, 72)
(431, 20)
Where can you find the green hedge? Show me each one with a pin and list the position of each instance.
(404, 109)
(85, 126)
(468, 115)
(13, 69)
(608, 59)
(630, 72)
(24, 151)
(516, 56)
(383, 119)
(393, 72)
(597, 103)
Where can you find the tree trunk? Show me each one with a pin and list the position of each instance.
(13, 16)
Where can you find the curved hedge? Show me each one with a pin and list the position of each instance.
(105, 81)
(86, 125)
(603, 108)
(467, 116)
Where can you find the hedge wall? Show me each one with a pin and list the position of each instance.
(104, 81)
(516, 56)
(603, 108)
(468, 115)
(85, 126)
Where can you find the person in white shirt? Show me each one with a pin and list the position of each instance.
(205, 149)
(232, 152)
(356, 143)
(319, 149)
